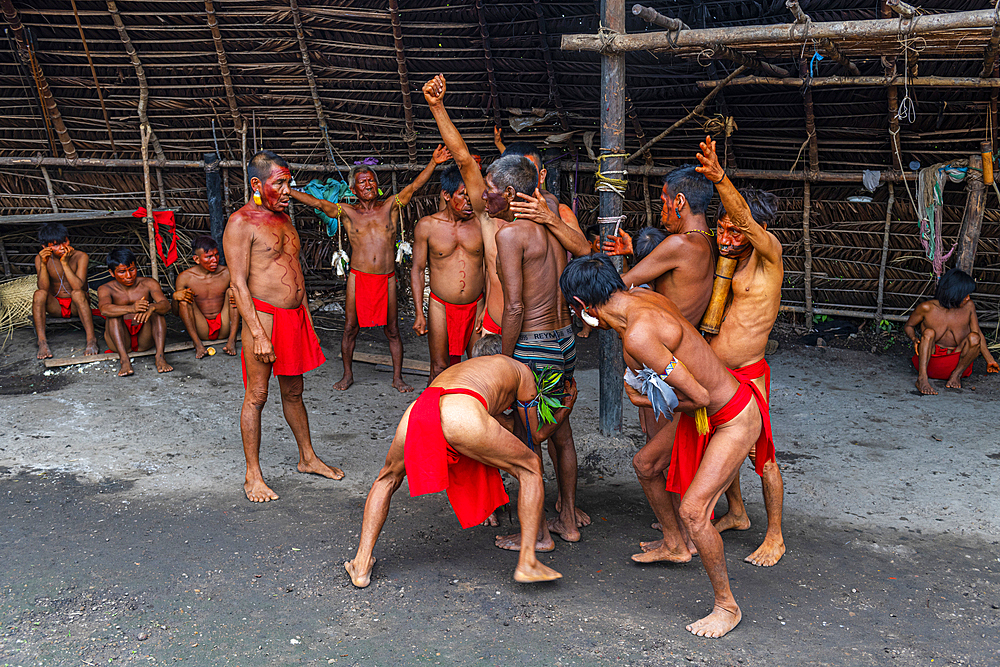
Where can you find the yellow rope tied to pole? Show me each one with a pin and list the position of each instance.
(607, 183)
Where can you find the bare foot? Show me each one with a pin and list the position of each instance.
(200, 351)
(768, 553)
(230, 348)
(43, 351)
(656, 526)
(716, 624)
(344, 382)
(571, 534)
(317, 467)
(732, 522)
(661, 553)
(513, 543)
(162, 366)
(582, 518)
(583, 334)
(491, 521)
(401, 386)
(954, 382)
(126, 369)
(360, 576)
(258, 492)
(925, 388)
(529, 575)
(91, 348)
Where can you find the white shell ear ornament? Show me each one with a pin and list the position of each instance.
(589, 319)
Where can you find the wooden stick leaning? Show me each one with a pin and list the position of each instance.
(108, 356)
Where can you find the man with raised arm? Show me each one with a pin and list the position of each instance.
(523, 287)
(201, 299)
(262, 249)
(681, 268)
(62, 286)
(133, 308)
(451, 240)
(681, 373)
(741, 234)
(450, 439)
(371, 226)
(949, 339)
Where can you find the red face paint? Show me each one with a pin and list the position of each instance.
(496, 203)
(125, 274)
(207, 260)
(58, 249)
(460, 203)
(731, 241)
(274, 193)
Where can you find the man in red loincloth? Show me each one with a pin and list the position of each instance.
(450, 439)
(741, 234)
(658, 340)
(451, 241)
(62, 286)
(950, 338)
(262, 248)
(202, 299)
(371, 286)
(134, 310)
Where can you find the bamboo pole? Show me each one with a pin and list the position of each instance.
(611, 361)
(484, 33)
(93, 73)
(404, 80)
(52, 193)
(150, 225)
(697, 110)
(885, 253)
(807, 246)
(783, 34)
(44, 92)
(140, 74)
(825, 81)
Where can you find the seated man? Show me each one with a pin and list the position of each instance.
(134, 308)
(450, 439)
(62, 286)
(662, 346)
(950, 339)
(202, 299)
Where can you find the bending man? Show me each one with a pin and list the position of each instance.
(657, 339)
(262, 248)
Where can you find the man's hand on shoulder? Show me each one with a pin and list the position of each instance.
(534, 208)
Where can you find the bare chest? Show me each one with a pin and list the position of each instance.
(446, 241)
(272, 243)
(371, 224)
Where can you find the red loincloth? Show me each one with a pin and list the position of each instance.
(474, 489)
(133, 330)
(461, 318)
(489, 325)
(942, 363)
(689, 446)
(214, 326)
(65, 304)
(296, 347)
(371, 298)
(754, 371)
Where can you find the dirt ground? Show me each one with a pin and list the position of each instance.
(127, 539)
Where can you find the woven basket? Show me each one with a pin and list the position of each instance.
(15, 302)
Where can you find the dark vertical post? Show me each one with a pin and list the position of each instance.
(972, 221)
(612, 363)
(216, 211)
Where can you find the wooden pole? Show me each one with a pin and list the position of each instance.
(246, 179)
(93, 73)
(162, 191)
(225, 192)
(52, 193)
(972, 221)
(885, 253)
(807, 245)
(227, 79)
(150, 224)
(813, 141)
(612, 363)
(782, 34)
(832, 81)
(647, 202)
(404, 80)
(216, 213)
(725, 53)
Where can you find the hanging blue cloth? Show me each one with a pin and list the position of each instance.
(332, 191)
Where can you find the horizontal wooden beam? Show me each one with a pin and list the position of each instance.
(920, 81)
(73, 216)
(783, 34)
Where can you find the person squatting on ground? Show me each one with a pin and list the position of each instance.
(133, 309)
(451, 241)
(950, 338)
(741, 234)
(681, 268)
(371, 285)
(659, 342)
(262, 248)
(62, 286)
(202, 299)
(450, 439)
